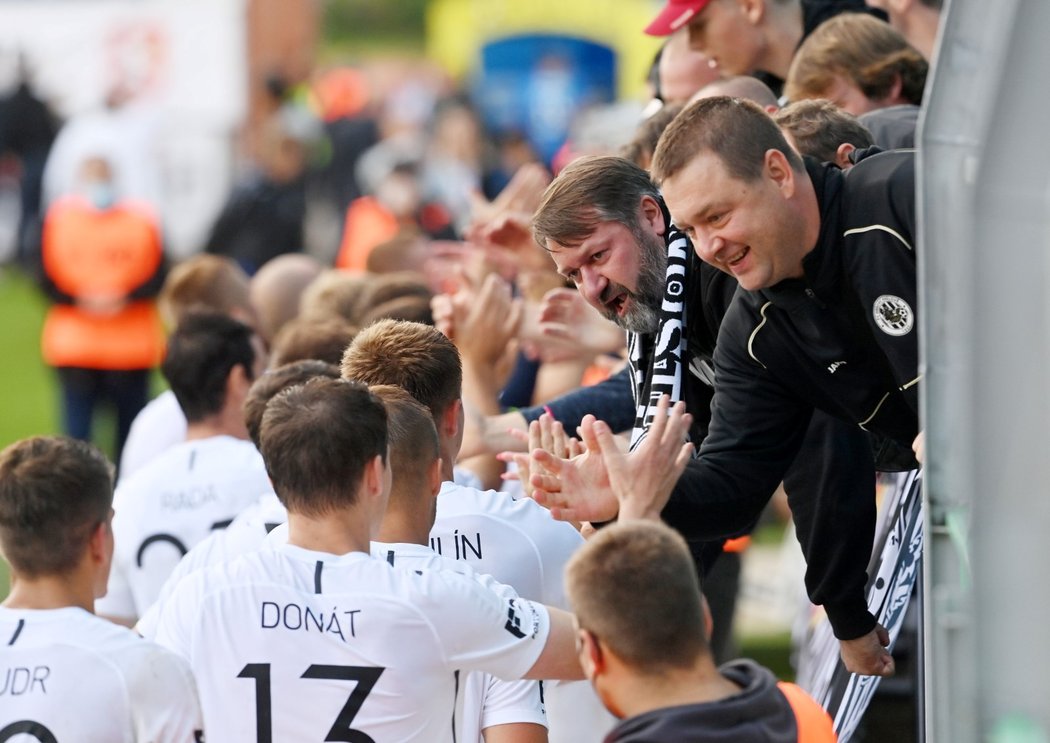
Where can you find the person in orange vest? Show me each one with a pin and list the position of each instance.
(102, 264)
(642, 642)
(396, 208)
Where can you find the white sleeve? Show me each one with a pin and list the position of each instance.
(560, 542)
(175, 620)
(164, 703)
(481, 631)
(196, 559)
(147, 624)
(503, 590)
(508, 702)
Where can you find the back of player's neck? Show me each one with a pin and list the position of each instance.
(403, 528)
(212, 426)
(50, 592)
(336, 533)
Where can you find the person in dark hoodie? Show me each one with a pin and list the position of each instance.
(642, 642)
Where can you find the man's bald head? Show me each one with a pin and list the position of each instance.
(740, 86)
(277, 287)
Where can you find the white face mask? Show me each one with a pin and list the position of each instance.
(101, 194)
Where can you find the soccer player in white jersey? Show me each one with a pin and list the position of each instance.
(515, 541)
(247, 532)
(176, 500)
(201, 283)
(65, 674)
(314, 639)
(501, 711)
(505, 712)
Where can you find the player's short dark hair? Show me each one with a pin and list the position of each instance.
(416, 357)
(413, 444)
(276, 380)
(202, 351)
(54, 492)
(317, 439)
(587, 192)
(634, 586)
(737, 131)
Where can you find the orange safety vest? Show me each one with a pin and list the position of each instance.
(368, 223)
(814, 724)
(88, 252)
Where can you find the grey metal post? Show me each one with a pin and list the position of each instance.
(984, 209)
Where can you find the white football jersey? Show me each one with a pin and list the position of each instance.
(68, 676)
(158, 427)
(487, 700)
(289, 644)
(169, 506)
(245, 534)
(517, 542)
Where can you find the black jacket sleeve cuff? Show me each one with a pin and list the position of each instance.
(850, 620)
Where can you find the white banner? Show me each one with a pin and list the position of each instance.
(181, 67)
(891, 579)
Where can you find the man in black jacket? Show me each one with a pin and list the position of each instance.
(826, 321)
(608, 230)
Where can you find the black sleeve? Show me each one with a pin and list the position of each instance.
(756, 428)
(831, 491)
(759, 430)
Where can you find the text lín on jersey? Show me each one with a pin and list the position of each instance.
(463, 546)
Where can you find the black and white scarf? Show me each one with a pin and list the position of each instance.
(656, 359)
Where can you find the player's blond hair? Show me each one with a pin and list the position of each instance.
(416, 357)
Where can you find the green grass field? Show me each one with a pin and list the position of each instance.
(28, 396)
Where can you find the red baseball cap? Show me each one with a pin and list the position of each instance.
(675, 14)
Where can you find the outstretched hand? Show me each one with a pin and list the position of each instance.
(574, 489)
(604, 481)
(643, 480)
